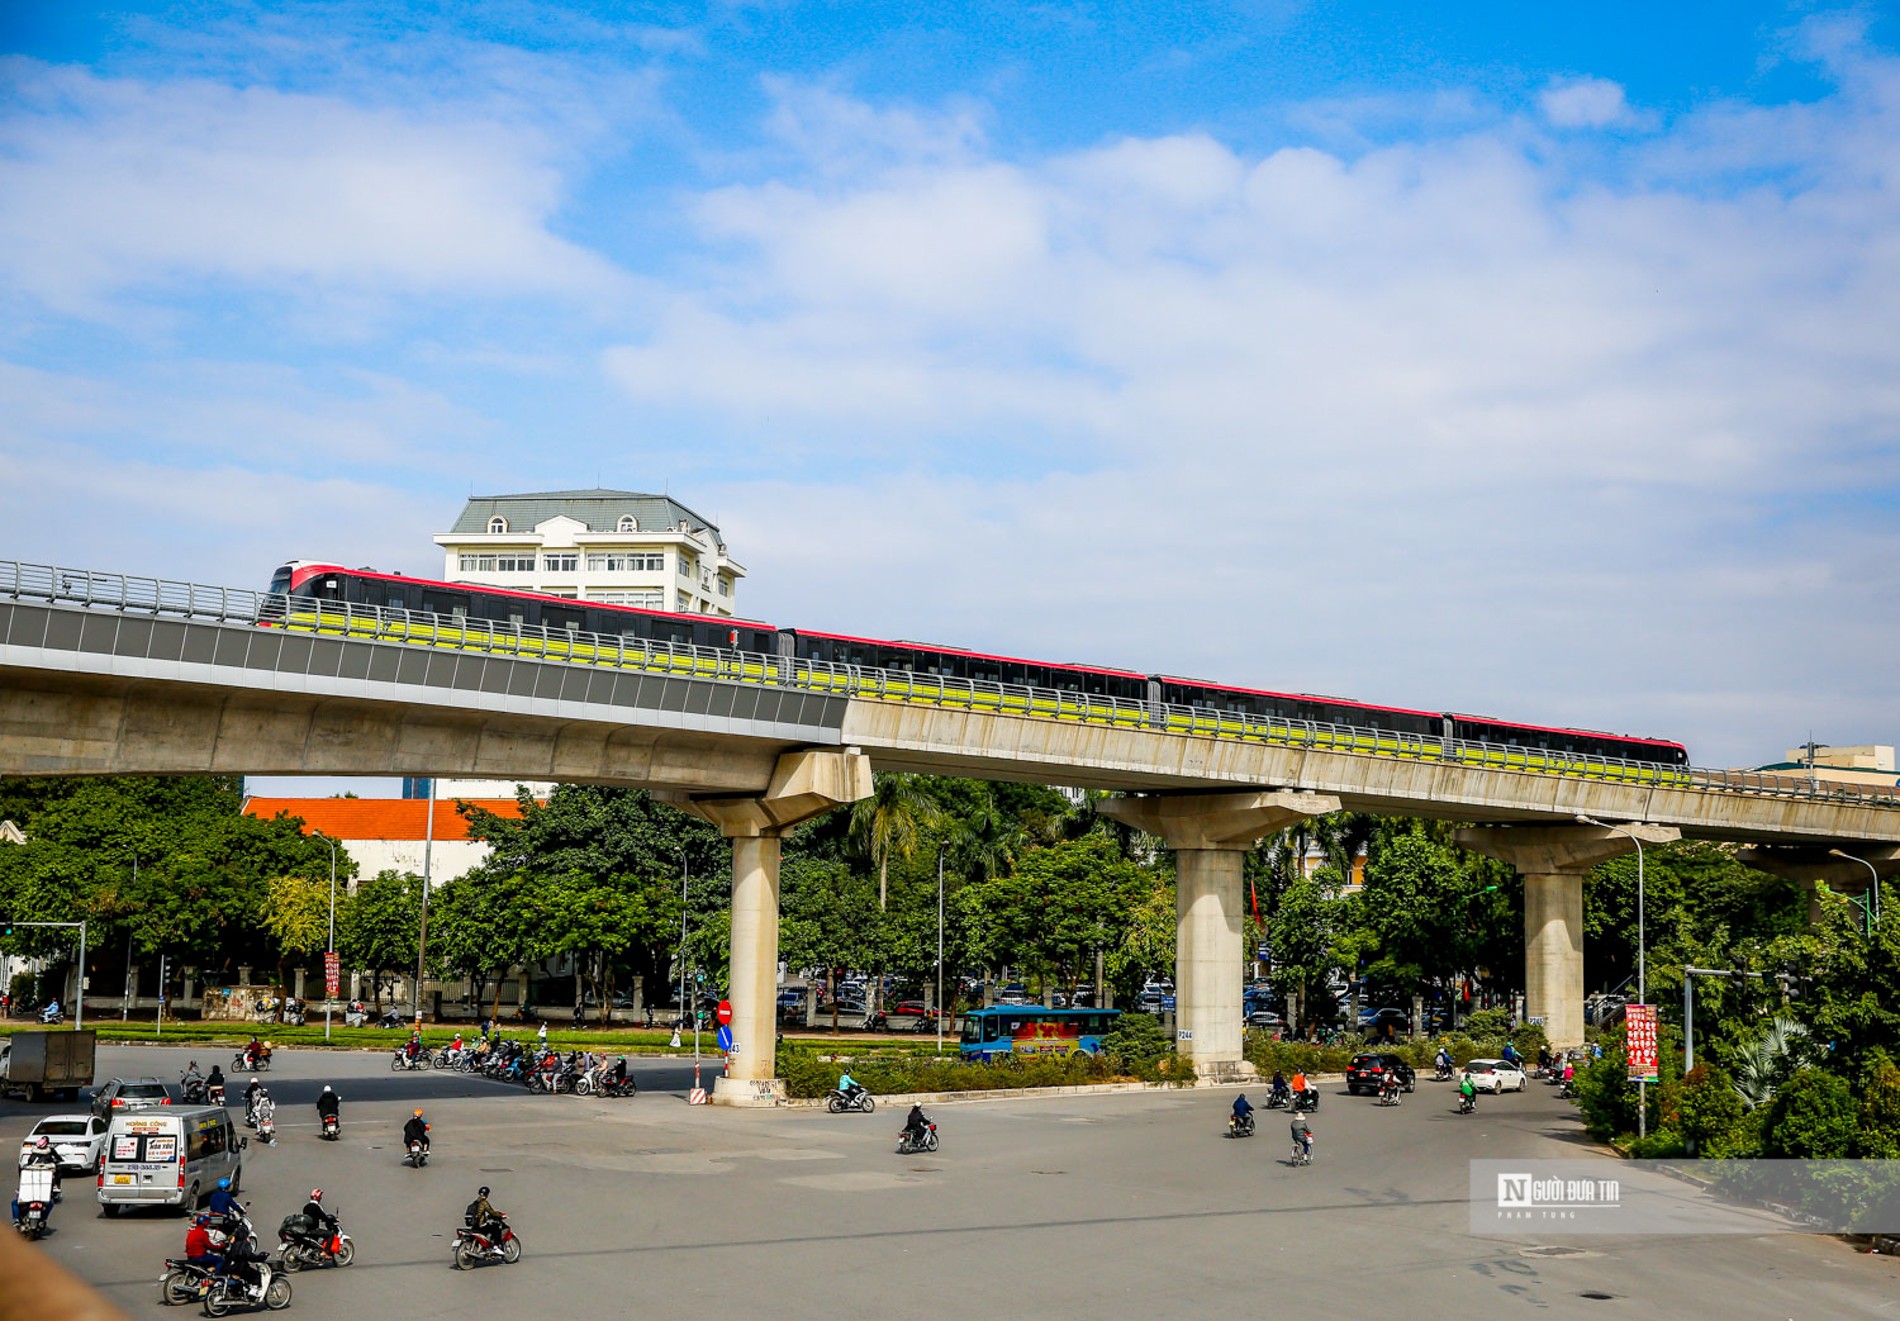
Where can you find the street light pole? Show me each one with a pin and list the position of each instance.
(1873, 915)
(125, 1010)
(940, 948)
(329, 1001)
(1642, 985)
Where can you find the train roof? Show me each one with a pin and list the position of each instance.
(313, 566)
(1566, 729)
(962, 651)
(1297, 697)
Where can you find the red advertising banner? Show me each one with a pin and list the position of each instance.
(330, 971)
(1640, 1042)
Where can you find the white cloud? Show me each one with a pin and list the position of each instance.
(1438, 423)
(110, 185)
(1585, 103)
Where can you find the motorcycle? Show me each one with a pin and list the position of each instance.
(1240, 1126)
(1389, 1092)
(1441, 1073)
(303, 1248)
(390, 1019)
(837, 1102)
(51, 1016)
(909, 1144)
(228, 1292)
(214, 1094)
(418, 1155)
(184, 1281)
(1466, 1104)
(1280, 1099)
(327, 1127)
(249, 1061)
(192, 1090)
(473, 1248)
(35, 1198)
(402, 1059)
(1307, 1100)
(267, 1123)
(1567, 1092)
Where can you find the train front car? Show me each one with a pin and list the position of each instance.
(1558, 741)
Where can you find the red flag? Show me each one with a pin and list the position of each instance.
(1254, 890)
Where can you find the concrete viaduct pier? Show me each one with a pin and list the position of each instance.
(101, 674)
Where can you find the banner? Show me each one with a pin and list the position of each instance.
(1640, 1042)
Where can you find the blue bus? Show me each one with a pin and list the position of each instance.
(1034, 1030)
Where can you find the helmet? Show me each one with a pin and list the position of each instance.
(253, 1077)
(326, 1087)
(418, 1112)
(316, 1194)
(482, 1191)
(225, 1183)
(45, 1143)
(202, 1220)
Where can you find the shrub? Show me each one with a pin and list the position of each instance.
(1606, 1097)
(1136, 1042)
(1663, 1144)
(1488, 1023)
(1812, 1115)
(1708, 1109)
(1879, 1136)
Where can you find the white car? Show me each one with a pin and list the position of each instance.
(78, 1140)
(1495, 1076)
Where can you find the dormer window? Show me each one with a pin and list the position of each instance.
(497, 524)
(628, 523)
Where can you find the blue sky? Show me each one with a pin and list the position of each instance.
(1526, 360)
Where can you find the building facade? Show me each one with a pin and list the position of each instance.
(393, 834)
(622, 547)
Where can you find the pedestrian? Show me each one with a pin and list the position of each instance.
(488, 1025)
(542, 1035)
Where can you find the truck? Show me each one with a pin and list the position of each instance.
(48, 1064)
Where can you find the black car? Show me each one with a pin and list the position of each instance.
(1367, 1071)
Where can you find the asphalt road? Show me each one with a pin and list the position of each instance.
(1100, 1206)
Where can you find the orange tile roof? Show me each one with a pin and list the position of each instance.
(345, 819)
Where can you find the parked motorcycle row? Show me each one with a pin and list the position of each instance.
(538, 1068)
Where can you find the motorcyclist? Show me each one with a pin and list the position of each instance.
(51, 1012)
(323, 1225)
(37, 1157)
(200, 1247)
(192, 1081)
(214, 1079)
(253, 1051)
(414, 1046)
(224, 1203)
(1281, 1093)
(241, 1258)
(1443, 1061)
(251, 1092)
(1300, 1086)
(415, 1131)
(1243, 1110)
(850, 1086)
(1303, 1134)
(1511, 1057)
(1468, 1090)
(328, 1103)
(617, 1075)
(481, 1216)
(1389, 1085)
(915, 1124)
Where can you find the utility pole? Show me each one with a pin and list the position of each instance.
(422, 940)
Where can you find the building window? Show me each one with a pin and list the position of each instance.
(725, 587)
(685, 604)
(565, 562)
(625, 561)
(628, 523)
(648, 598)
(497, 524)
(519, 561)
(686, 567)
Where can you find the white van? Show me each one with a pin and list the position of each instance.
(169, 1157)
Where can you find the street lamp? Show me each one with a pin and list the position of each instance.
(1642, 985)
(125, 1009)
(1873, 914)
(329, 1001)
(939, 947)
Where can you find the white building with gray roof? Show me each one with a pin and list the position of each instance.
(623, 547)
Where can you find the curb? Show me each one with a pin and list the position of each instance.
(1025, 1093)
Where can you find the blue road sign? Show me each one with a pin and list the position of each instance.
(725, 1037)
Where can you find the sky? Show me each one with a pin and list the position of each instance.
(1533, 361)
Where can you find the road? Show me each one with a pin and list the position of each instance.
(1099, 1206)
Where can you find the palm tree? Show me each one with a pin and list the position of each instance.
(1783, 1048)
(890, 822)
(984, 843)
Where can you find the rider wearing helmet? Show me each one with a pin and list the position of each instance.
(322, 1223)
(202, 1243)
(327, 1103)
(224, 1203)
(481, 1216)
(415, 1131)
(39, 1156)
(251, 1089)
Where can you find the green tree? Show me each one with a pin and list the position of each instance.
(378, 930)
(1056, 909)
(1813, 1115)
(297, 916)
(890, 823)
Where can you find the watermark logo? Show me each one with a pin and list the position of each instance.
(1524, 1195)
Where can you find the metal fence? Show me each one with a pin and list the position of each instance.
(236, 605)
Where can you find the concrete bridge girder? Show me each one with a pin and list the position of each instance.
(1553, 860)
(803, 784)
(1210, 835)
(1813, 866)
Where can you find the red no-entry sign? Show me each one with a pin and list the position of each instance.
(724, 1013)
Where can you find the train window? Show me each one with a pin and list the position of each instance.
(445, 603)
